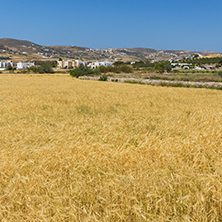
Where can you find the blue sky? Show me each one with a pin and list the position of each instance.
(159, 24)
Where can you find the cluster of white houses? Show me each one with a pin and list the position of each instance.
(67, 64)
(64, 64)
(20, 65)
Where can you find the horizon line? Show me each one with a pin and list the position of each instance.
(142, 47)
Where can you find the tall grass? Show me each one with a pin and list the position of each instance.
(73, 150)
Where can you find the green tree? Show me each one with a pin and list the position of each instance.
(220, 74)
(103, 69)
(159, 67)
(126, 68)
(45, 68)
(33, 69)
(81, 71)
(168, 68)
(9, 67)
(118, 63)
(103, 78)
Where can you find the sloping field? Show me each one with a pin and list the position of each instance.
(77, 150)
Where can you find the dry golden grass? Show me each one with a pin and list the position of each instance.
(73, 150)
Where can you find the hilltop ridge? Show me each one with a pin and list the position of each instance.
(26, 50)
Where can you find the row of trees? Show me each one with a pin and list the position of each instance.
(159, 67)
(117, 68)
(85, 70)
(44, 68)
(200, 61)
(52, 63)
(143, 64)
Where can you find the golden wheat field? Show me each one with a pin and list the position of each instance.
(78, 150)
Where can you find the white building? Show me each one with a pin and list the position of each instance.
(4, 64)
(78, 62)
(181, 65)
(24, 65)
(198, 68)
(96, 64)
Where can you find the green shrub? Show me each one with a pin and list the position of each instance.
(118, 63)
(220, 74)
(45, 68)
(116, 68)
(103, 69)
(34, 69)
(96, 71)
(103, 78)
(126, 68)
(167, 67)
(9, 67)
(114, 80)
(81, 71)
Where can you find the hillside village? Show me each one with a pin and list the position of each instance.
(63, 64)
(68, 64)
(20, 55)
(21, 50)
(72, 64)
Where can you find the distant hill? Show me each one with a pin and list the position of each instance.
(26, 50)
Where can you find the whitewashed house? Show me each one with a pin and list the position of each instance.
(5, 64)
(96, 64)
(78, 62)
(24, 65)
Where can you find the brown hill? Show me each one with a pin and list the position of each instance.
(26, 50)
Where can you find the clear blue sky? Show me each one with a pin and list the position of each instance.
(159, 24)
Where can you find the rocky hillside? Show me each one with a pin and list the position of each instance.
(26, 50)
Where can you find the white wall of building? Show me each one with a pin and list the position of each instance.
(5, 64)
(24, 65)
(96, 64)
